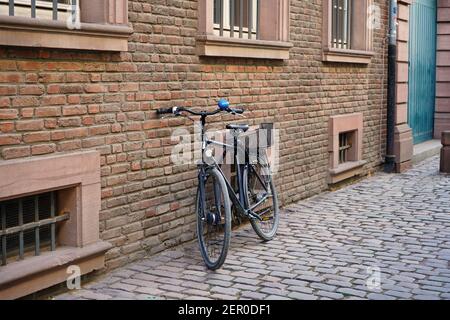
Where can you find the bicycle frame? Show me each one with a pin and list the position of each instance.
(238, 202)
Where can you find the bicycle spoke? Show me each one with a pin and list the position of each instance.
(261, 199)
(213, 227)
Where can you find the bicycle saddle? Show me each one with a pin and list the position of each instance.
(243, 127)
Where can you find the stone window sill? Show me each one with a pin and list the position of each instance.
(50, 268)
(20, 31)
(346, 170)
(215, 46)
(347, 56)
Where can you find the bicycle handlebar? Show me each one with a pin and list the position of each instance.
(164, 111)
(238, 111)
(177, 110)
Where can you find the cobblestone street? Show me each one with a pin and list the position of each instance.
(332, 246)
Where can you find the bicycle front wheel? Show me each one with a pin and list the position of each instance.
(213, 219)
(260, 194)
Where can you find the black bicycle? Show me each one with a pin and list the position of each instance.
(251, 195)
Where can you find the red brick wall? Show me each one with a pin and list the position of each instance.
(54, 101)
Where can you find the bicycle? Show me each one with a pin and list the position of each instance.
(253, 197)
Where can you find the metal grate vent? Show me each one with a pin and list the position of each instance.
(28, 226)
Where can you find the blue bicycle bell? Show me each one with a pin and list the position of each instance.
(223, 104)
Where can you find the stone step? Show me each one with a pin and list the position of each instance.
(425, 150)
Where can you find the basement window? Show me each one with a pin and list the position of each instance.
(49, 220)
(345, 145)
(29, 226)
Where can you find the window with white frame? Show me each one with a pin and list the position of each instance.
(236, 18)
(347, 31)
(39, 9)
(244, 28)
(341, 24)
(67, 24)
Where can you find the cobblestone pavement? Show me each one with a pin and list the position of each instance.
(332, 246)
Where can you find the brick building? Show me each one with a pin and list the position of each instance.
(81, 145)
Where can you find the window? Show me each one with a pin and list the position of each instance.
(236, 18)
(340, 24)
(67, 24)
(49, 220)
(345, 146)
(347, 33)
(39, 9)
(244, 28)
(28, 226)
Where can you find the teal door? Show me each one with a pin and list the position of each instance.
(422, 69)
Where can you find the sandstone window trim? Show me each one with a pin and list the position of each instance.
(103, 27)
(273, 42)
(75, 177)
(353, 125)
(360, 36)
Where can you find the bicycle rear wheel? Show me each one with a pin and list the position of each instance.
(214, 221)
(260, 193)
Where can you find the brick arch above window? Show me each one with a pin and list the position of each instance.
(102, 24)
(244, 28)
(348, 30)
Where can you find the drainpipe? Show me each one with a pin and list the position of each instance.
(389, 164)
